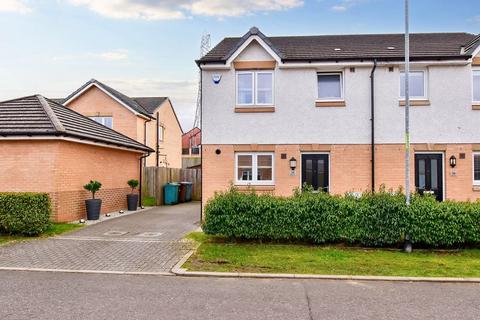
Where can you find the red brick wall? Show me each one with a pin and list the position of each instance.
(350, 167)
(61, 168)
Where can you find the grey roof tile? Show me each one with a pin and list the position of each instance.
(36, 115)
(359, 46)
(150, 103)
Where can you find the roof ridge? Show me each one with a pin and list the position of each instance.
(118, 93)
(50, 113)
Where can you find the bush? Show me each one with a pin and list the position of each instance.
(24, 213)
(93, 186)
(373, 219)
(132, 183)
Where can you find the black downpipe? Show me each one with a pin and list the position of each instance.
(157, 147)
(372, 119)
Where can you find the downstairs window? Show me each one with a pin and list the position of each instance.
(254, 168)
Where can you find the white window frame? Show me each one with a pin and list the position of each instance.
(254, 181)
(254, 88)
(103, 120)
(425, 85)
(161, 133)
(342, 86)
(475, 182)
(474, 70)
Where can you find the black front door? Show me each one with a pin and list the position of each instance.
(428, 174)
(315, 171)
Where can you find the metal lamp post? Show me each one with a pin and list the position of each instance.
(408, 244)
(407, 107)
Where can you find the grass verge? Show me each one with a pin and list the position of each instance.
(218, 254)
(53, 230)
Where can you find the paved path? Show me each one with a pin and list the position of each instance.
(147, 241)
(46, 295)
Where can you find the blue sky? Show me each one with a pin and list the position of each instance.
(148, 47)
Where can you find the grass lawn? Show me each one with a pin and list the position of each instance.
(55, 229)
(217, 254)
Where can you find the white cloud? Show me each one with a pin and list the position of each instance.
(234, 8)
(178, 9)
(116, 55)
(18, 6)
(339, 8)
(344, 5)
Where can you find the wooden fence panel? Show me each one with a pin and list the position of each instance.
(156, 177)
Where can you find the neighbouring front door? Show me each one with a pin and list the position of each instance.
(315, 171)
(429, 174)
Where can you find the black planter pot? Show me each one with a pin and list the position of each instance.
(93, 208)
(132, 202)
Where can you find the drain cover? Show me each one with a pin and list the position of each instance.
(115, 233)
(150, 234)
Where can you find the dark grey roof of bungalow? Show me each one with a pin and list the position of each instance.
(143, 105)
(38, 116)
(388, 47)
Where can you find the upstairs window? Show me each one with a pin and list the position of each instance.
(416, 85)
(255, 88)
(476, 86)
(106, 121)
(330, 86)
(161, 133)
(254, 168)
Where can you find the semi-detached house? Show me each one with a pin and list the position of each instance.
(278, 112)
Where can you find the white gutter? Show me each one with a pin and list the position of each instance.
(303, 65)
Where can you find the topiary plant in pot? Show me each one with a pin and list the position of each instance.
(132, 199)
(93, 205)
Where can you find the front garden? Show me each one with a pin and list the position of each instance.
(319, 233)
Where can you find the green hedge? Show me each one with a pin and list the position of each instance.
(379, 219)
(24, 213)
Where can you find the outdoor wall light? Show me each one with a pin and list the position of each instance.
(107, 215)
(82, 221)
(293, 163)
(453, 161)
(121, 211)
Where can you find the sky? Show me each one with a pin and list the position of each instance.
(148, 47)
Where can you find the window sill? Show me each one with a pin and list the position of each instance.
(415, 102)
(243, 187)
(476, 187)
(476, 106)
(336, 103)
(254, 109)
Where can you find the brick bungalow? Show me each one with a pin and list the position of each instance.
(47, 147)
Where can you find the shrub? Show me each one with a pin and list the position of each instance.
(133, 184)
(24, 213)
(373, 219)
(93, 186)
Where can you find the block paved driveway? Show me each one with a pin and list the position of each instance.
(149, 241)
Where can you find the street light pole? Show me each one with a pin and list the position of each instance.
(407, 107)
